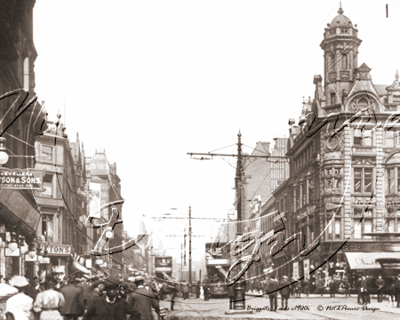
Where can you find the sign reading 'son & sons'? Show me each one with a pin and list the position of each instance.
(21, 178)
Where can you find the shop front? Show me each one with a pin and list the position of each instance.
(58, 259)
(19, 219)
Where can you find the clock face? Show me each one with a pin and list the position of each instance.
(232, 214)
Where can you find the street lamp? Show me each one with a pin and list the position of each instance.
(13, 245)
(3, 153)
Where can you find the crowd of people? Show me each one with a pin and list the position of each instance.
(364, 285)
(95, 299)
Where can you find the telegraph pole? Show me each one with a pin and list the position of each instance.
(190, 249)
(239, 303)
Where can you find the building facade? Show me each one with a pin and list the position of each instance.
(341, 199)
(22, 122)
(102, 177)
(62, 208)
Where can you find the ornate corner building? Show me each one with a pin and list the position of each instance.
(343, 194)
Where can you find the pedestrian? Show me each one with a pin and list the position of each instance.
(185, 290)
(284, 286)
(20, 305)
(49, 302)
(34, 288)
(320, 283)
(368, 288)
(298, 288)
(231, 294)
(143, 300)
(109, 306)
(306, 286)
(206, 291)
(97, 290)
(271, 289)
(397, 290)
(363, 290)
(73, 296)
(85, 286)
(163, 290)
(198, 289)
(346, 286)
(173, 290)
(392, 293)
(332, 287)
(359, 292)
(380, 285)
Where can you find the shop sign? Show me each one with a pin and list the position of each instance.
(295, 270)
(21, 179)
(306, 264)
(79, 258)
(58, 269)
(59, 250)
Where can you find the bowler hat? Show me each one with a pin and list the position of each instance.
(111, 282)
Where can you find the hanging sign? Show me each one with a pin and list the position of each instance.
(21, 179)
(306, 264)
(295, 270)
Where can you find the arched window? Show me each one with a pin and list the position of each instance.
(26, 74)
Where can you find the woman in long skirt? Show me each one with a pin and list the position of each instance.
(49, 302)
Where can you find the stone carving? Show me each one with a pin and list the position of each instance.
(390, 107)
(364, 160)
(363, 202)
(391, 202)
(344, 75)
(332, 143)
(362, 102)
(332, 173)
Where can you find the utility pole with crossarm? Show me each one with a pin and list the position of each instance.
(239, 303)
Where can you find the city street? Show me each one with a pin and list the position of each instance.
(215, 309)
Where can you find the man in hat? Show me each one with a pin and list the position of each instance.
(271, 289)
(20, 305)
(284, 291)
(397, 289)
(97, 290)
(34, 288)
(74, 304)
(109, 306)
(142, 300)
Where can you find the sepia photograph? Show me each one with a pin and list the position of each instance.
(166, 160)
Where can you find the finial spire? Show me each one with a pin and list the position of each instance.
(397, 75)
(340, 9)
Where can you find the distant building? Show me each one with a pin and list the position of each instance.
(63, 209)
(102, 176)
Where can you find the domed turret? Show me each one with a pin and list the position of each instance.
(340, 45)
(340, 20)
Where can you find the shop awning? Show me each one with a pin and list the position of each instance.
(80, 267)
(19, 209)
(373, 260)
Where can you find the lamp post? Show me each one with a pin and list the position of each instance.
(3, 152)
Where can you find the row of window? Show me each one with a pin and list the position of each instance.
(302, 159)
(360, 227)
(364, 137)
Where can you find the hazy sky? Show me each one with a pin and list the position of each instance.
(153, 80)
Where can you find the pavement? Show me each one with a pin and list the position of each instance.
(313, 307)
